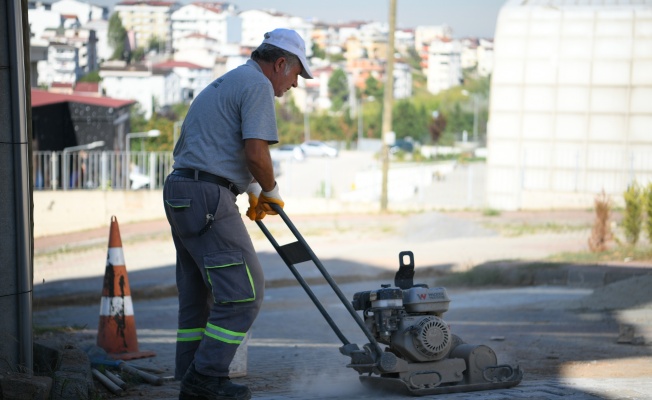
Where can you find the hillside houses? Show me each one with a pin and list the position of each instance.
(199, 41)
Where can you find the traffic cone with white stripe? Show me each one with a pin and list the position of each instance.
(117, 329)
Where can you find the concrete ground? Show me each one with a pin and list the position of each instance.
(567, 347)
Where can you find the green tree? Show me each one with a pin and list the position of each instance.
(93, 76)
(338, 89)
(155, 44)
(117, 37)
(414, 58)
(290, 122)
(137, 119)
(137, 55)
(317, 51)
(409, 120)
(458, 121)
(373, 88)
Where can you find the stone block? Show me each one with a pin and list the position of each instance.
(71, 385)
(16, 386)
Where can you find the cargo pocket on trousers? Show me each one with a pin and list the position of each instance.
(229, 277)
(184, 218)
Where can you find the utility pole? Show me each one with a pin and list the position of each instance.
(387, 102)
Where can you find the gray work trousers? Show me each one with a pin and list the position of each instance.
(219, 277)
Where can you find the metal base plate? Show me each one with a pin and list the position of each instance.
(401, 387)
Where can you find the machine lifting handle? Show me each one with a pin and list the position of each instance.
(300, 251)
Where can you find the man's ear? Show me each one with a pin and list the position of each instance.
(279, 64)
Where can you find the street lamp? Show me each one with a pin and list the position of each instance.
(475, 113)
(135, 135)
(67, 150)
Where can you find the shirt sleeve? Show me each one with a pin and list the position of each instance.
(258, 113)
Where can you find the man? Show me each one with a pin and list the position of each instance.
(224, 151)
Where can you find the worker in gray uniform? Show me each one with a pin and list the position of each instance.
(223, 151)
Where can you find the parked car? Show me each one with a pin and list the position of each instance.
(292, 152)
(317, 148)
(401, 145)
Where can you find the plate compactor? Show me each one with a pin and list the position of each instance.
(421, 355)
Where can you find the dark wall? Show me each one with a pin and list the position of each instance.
(52, 128)
(92, 123)
(61, 125)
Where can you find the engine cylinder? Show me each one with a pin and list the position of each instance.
(422, 338)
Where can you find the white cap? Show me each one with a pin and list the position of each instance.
(290, 40)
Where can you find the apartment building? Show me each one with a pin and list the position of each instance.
(153, 88)
(215, 20)
(71, 54)
(84, 11)
(444, 65)
(477, 53)
(193, 78)
(148, 20)
(41, 18)
(255, 23)
(425, 35)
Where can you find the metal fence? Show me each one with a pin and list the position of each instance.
(104, 170)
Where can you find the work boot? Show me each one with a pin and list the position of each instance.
(195, 386)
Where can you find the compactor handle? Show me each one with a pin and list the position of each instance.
(300, 251)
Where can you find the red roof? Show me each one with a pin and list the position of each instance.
(61, 85)
(146, 3)
(213, 7)
(92, 87)
(177, 64)
(200, 35)
(44, 98)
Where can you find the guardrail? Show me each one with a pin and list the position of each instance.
(100, 170)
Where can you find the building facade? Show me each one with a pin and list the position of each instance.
(571, 103)
(148, 20)
(71, 54)
(215, 20)
(152, 88)
(444, 69)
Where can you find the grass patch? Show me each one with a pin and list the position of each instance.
(490, 212)
(515, 230)
(618, 254)
(42, 330)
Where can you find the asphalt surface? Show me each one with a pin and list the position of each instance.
(293, 354)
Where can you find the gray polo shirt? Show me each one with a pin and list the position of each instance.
(239, 105)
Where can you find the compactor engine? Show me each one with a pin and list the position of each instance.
(422, 355)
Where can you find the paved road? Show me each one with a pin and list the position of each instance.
(293, 354)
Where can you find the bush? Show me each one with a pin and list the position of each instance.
(647, 202)
(633, 216)
(601, 232)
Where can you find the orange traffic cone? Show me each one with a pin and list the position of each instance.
(117, 330)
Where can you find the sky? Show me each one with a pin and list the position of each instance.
(465, 17)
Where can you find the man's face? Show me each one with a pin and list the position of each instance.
(282, 82)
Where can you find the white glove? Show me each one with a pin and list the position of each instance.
(253, 191)
(265, 199)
